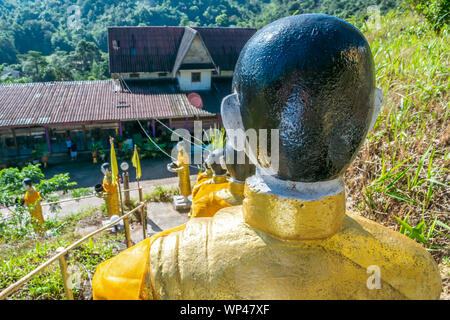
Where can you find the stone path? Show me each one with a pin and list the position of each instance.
(160, 216)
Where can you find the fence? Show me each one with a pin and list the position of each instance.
(62, 252)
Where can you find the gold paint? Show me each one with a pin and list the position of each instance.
(123, 277)
(233, 195)
(184, 182)
(292, 219)
(111, 196)
(33, 200)
(225, 258)
(208, 186)
(207, 204)
(203, 176)
(219, 179)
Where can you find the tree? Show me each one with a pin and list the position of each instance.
(33, 64)
(8, 52)
(222, 20)
(85, 54)
(437, 12)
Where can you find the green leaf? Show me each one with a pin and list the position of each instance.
(443, 225)
(399, 197)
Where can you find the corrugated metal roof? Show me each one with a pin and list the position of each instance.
(85, 101)
(156, 48)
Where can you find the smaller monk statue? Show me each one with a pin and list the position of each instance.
(205, 173)
(218, 181)
(181, 167)
(232, 194)
(32, 199)
(108, 191)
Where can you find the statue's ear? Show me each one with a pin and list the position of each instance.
(231, 119)
(377, 107)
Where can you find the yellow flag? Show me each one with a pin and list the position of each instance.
(114, 167)
(136, 163)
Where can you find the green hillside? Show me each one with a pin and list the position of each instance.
(67, 35)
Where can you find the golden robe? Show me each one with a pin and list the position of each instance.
(32, 198)
(223, 257)
(208, 205)
(112, 198)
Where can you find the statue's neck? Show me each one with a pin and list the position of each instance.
(219, 179)
(293, 210)
(236, 187)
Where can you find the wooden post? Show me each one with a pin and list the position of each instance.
(143, 215)
(15, 141)
(126, 187)
(66, 280)
(153, 128)
(86, 147)
(126, 222)
(49, 142)
(16, 285)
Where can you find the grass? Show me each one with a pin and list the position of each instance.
(400, 177)
(22, 256)
(161, 194)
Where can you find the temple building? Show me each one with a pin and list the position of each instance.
(170, 74)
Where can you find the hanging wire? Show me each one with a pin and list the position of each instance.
(160, 122)
(148, 136)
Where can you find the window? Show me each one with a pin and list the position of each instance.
(132, 51)
(116, 44)
(196, 77)
(162, 74)
(134, 75)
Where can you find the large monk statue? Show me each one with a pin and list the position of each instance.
(233, 192)
(311, 79)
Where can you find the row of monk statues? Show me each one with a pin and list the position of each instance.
(262, 232)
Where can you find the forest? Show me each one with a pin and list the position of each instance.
(61, 40)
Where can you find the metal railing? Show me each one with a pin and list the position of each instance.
(62, 252)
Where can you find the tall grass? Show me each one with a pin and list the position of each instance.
(401, 175)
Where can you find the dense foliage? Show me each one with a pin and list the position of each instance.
(18, 223)
(66, 39)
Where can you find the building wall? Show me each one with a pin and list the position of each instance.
(184, 79)
(142, 75)
(197, 53)
(225, 73)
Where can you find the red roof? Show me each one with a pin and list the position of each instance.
(155, 48)
(84, 101)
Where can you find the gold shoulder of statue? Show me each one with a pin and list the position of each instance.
(402, 262)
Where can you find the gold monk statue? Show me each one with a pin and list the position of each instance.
(109, 191)
(232, 194)
(308, 81)
(181, 167)
(204, 174)
(217, 182)
(32, 199)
